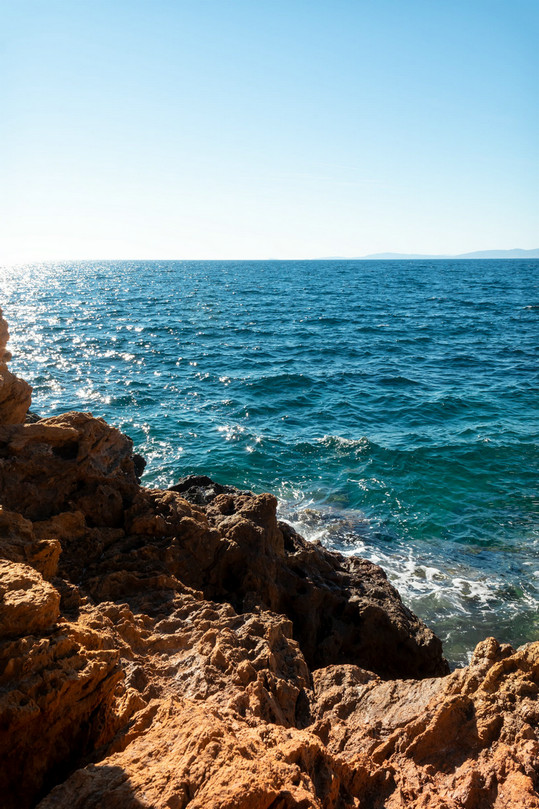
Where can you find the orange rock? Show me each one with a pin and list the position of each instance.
(67, 463)
(56, 686)
(204, 758)
(15, 393)
(467, 740)
(19, 543)
(29, 604)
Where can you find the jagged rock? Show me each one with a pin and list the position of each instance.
(29, 604)
(187, 755)
(139, 464)
(67, 463)
(343, 608)
(19, 543)
(15, 393)
(200, 650)
(202, 490)
(467, 740)
(56, 685)
(5, 355)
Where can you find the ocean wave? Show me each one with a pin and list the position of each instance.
(399, 380)
(432, 582)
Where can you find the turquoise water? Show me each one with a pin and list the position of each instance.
(393, 407)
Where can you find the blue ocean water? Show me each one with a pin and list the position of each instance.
(393, 407)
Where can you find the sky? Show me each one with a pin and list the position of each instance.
(224, 129)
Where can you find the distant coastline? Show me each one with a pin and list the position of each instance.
(478, 254)
(516, 254)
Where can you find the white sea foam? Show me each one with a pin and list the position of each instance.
(443, 591)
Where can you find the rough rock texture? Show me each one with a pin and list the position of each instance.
(15, 393)
(183, 648)
(70, 462)
(209, 757)
(201, 490)
(56, 685)
(466, 740)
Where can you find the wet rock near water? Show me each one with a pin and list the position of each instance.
(202, 490)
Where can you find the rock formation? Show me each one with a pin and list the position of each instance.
(184, 648)
(15, 393)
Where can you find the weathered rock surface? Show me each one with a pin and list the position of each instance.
(15, 393)
(342, 609)
(201, 490)
(183, 648)
(70, 462)
(210, 758)
(19, 542)
(56, 685)
(466, 740)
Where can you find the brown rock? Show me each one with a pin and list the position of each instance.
(15, 393)
(67, 463)
(205, 651)
(56, 688)
(204, 758)
(5, 355)
(467, 740)
(343, 609)
(28, 604)
(19, 543)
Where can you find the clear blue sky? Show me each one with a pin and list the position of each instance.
(232, 129)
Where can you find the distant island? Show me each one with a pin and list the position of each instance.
(516, 253)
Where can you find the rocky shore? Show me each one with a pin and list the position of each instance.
(184, 648)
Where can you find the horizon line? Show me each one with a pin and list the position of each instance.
(476, 255)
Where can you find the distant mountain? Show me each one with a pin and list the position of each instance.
(517, 253)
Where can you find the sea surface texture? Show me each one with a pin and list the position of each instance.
(393, 407)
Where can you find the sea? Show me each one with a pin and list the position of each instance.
(391, 406)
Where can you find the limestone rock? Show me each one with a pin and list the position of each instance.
(15, 393)
(195, 649)
(19, 543)
(467, 740)
(28, 604)
(343, 609)
(204, 758)
(67, 463)
(56, 685)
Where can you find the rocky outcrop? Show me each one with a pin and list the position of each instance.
(67, 463)
(466, 740)
(56, 685)
(15, 393)
(184, 648)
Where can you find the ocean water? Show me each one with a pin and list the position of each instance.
(393, 407)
